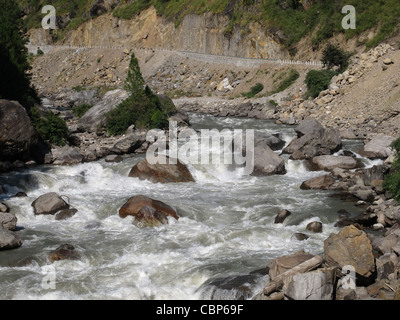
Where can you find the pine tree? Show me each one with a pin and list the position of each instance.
(134, 82)
(14, 65)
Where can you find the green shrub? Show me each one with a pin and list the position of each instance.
(257, 88)
(79, 111)
(392, 180)
(317, 81)
(333, 56)
(50, 127)
(142, 108)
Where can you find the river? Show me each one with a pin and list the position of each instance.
(226, 226)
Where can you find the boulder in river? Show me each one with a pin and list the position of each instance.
(322, 182)
(351, 247)
(8, 220)
(147, 212)
(282, 215)
(64, 252)
(314, 226)
(8, 239)
(17, 135)
(162, 173)
(67, 156)
(266, 161)
(378, 147)
(329, 162)
(313, 140)
(49, 203)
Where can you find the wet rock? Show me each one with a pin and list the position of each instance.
(8, 220)
(161, 173)
(266, 161)
(114, 158)
(23, 262)
(329, 162)
(64, 252)
(230, 288)
(322, 182)
(17, 135)
(8, 239)
(129, 144)
(314, 226)
(314, 285)
(147, 212)
(300, 236)
(65, 214)
(285, 263)
(282, 215)
(4, 207)
(20, 194)
(67, 156)
(49, 203)
(313, 140)
(351, 246)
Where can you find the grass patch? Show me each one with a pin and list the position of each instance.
(286, 79)
(79, 111)
(254, 90)
(317, 81)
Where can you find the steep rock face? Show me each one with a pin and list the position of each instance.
(199, 33)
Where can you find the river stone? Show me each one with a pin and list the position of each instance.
(4, 207)
(378, 147)
(314, 226)
(314, 285)
(266, 161)
(285, 263)
(351, 247)
(133, 207)
(49, 203)
(162, 173)
(313, 140)
(129, 143)
(67, 156)
(240, 287)
(299, 236)
(150, 217)
(8, 239)
(282, 215)
(64, 252)
(8, 220)
(17, 135)
(114, 158)
(329, 162)
(322, 182)
(65, 214)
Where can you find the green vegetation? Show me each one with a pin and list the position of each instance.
(322, 19)
(254, 90)
(286, 80)
(333, 56)
(392, 180)
(317, 81)
(50, 127)
(79, 111)
(142, 108)
(14, 63)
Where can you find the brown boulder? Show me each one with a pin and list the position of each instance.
(314, 226)
(322, 182)
(285, 263)
(329, 162)
(64, 252)
(147, 212)
(162, 173)
(351, 247)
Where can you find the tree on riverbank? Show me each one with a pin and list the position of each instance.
(142, 108)
(14, 65)
(392, 180)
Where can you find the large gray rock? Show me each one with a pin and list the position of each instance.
(322, 182)
(49, 203)
(129, 143)
(313, 140)
(329, 162)
(8, 220)
(314, 285)
(378, 147)
(67, 156)
(8, 239)
(95, 116)
(266, 161)
(17, 135)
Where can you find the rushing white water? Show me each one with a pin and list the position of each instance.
(226, 227)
